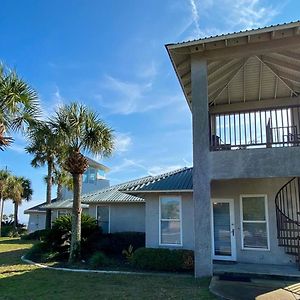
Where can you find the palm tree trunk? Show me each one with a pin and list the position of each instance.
(1, 212)
(16, 206)
(76, 219)
(48, 193)
(59, 192)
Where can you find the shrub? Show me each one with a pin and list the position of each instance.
(58, 238)
(37, 251)
(8, 230)
(36, 235)
(163, 259)
(99, 259)
(115, 243)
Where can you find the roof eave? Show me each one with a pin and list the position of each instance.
(234, 35)
(178, 77)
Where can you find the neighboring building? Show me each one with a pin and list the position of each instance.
(93, 180)
(243, 91)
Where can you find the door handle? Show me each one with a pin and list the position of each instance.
(232, 232)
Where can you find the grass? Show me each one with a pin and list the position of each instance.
(21, 281)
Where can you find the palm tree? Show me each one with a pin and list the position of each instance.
(19, 105)
(62, 179)
(45, 145)
(4, 177)
(82, 131)
(14, 192)
(26, 195)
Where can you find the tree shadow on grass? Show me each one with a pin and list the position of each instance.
(15, 241)
(50, 284)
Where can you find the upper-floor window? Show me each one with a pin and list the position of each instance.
(170, 220)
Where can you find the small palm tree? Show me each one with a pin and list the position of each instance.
(14, 192)
(62, 179)
(19, 105)
(82, 131)
(4, 177)
(45, 146)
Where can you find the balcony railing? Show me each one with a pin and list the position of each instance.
(264, 128)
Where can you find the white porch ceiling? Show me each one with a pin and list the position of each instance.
(254, 76)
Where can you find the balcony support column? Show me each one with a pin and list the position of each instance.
(201, 173)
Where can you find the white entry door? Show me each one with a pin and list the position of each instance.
(223, 229)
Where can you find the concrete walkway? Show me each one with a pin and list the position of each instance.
(278, 271)
(259, 289)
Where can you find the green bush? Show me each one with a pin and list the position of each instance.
(8, 230)
(163, 259)
(115, 243)
(58, 238)
(99, 259)
(37, 251)
(36, 235)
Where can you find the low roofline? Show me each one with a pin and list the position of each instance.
(28, 211)
(112, 201)
(158, 191)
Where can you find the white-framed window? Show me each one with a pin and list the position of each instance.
(103, 217)
(170, 221)
(254, 222)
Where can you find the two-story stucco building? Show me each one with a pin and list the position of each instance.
(243, 93)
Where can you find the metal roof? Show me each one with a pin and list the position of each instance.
(38, 208)
(251, 65)
(63, 204)
(178, 180)
(112, 196)
(235, 34)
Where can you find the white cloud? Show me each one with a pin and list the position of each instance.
(17, 148)
(128, 164)
(56, 101)
(148, 71)
(195, 16)
(157, 170)
(132, 97)
(123, 141)
(234, 15)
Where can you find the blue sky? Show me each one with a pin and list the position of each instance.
(110, 55)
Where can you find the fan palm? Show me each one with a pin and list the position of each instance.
(82, 131)
(14, 192)
(19, 105)
(62, 179)
(4, 177)
(45, 146)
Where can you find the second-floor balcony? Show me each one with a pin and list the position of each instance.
(262, 128)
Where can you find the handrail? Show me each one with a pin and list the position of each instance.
(287, 204)
(277, 199)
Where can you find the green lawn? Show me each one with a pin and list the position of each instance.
(21, 281)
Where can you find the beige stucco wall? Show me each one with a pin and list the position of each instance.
(233, 189)
(124, 216)
(228, 189)
(152, 220)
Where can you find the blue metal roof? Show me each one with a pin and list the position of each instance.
(178, 180)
